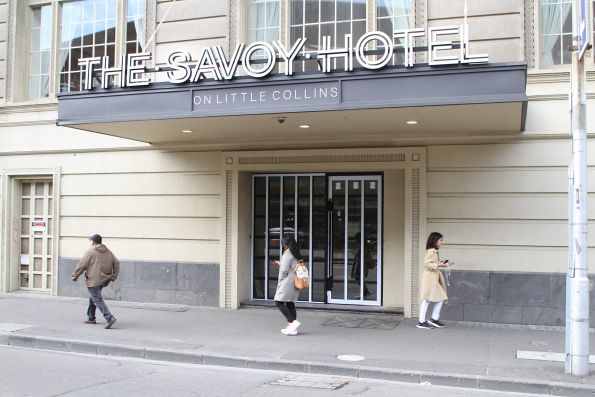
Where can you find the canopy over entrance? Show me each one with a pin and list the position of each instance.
(345, 108)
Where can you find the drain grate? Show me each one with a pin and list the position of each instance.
(311, 381)
(359, 322)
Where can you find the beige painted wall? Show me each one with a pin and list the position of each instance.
(190, 26)
(149, 205)
(495, 27)
(244, 248)
(503, 207)
(3, 47)
(394, 239)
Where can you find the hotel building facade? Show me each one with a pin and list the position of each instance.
(195, 159)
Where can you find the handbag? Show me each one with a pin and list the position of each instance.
(301, 277)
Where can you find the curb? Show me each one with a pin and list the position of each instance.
(482, 382)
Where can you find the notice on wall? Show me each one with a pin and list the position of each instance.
(38, 226)
(24, 259)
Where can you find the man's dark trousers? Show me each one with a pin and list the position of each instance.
(96, 301)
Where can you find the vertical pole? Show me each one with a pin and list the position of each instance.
(578, 329)
(569, 272)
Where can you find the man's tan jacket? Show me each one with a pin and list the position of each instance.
(100, 266)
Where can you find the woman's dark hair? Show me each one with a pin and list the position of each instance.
(433, 240)
(292, 245)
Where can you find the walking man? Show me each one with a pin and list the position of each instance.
(100, 267)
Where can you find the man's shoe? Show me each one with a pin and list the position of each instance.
(293, 325)
(424, 325)
(89, 322)
(286, 331)
(110, 322)
(436, 323)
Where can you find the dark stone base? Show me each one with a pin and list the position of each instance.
(156, 282)
(511, 298)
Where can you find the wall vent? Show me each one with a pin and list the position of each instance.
(349, 158)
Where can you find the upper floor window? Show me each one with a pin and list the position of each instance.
(555, 32)
(135, 27)
(264, 20)
(314, 19)
(39, 52)
(85, 28)
(393, 15)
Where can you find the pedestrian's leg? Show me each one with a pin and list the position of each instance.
(98, 301)
(91, 310)
(423, 308)
(436, 310)
(294, 323)
(284, 310)
(292, 312)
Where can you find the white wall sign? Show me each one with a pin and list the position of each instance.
(213, 63)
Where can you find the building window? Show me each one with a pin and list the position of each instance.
(135, 27)
(63, 31)
(393, 15)
(556, 31)
(314, 19)
(39, 52)
(264, 20)
(87, 29)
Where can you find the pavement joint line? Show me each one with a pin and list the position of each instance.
(484, 382)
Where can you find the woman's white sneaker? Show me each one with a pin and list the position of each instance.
(293, 325)
(286, 331)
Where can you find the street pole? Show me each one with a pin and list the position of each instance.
(577, 331)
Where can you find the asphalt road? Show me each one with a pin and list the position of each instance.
(29, 372)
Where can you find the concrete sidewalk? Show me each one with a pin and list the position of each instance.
(459, 355)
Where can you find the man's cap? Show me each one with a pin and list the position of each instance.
(96, 238)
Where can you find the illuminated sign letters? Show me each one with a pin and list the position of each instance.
(259, 59)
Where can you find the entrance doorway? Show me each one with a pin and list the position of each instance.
(35, 259)
(337, 223)
(354, 271)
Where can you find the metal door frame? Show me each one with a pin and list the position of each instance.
(351, 177)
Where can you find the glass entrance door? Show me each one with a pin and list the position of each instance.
(354, 260)
(337, 222)
(288, 205)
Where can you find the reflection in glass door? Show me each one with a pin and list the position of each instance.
(354, 270)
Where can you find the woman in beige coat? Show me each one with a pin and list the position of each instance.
(433, 286)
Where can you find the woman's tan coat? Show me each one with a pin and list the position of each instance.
(433, 286)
